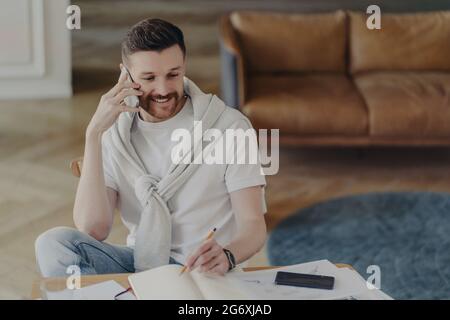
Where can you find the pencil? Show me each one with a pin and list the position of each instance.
(209, 236)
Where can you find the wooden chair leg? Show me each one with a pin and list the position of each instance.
(76, 165)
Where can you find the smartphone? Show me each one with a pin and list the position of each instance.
(131, 101)
(304, 280)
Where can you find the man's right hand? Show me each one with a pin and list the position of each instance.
(112, 105)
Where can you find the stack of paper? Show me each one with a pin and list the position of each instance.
(348, 284)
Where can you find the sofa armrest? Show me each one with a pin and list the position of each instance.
(232, 65)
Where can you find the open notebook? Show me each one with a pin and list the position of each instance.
(166, 283)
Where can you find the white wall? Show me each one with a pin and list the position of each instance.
(35, 49)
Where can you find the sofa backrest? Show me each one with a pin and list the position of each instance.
(413, 41)
(280, 42)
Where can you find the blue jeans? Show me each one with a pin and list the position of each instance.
(61, 247)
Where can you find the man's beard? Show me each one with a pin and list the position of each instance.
(152, 103)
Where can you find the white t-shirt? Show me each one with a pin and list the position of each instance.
(198, 206)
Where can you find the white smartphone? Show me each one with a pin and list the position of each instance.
(131, 101)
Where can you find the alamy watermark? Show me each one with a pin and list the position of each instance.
(74, 280)
(231, 146)
(374, 280)
(73, 21)
(374, 20)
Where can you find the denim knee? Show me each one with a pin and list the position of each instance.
(55, 251)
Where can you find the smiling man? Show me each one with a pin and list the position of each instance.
(169, 208)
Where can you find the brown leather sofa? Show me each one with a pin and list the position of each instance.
(326, 79)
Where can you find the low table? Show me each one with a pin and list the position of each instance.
(121, 278)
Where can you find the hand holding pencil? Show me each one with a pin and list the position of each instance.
(209, 257)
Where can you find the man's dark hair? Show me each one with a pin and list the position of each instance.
(152, 35)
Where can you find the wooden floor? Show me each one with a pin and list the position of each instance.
(38, 139)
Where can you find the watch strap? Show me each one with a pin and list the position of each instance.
(231, 259)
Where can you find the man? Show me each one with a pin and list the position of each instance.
(169, 208)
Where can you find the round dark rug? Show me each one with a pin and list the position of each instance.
(406, 234)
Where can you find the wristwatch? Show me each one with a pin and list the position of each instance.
(231, 259)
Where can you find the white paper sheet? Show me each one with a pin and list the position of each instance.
(260, 284)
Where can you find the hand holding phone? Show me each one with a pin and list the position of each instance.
(130, 101)
(112, 104)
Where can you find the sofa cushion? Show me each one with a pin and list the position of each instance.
(409, 104)
(419, 41)
(278, 42)
(320, 103)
